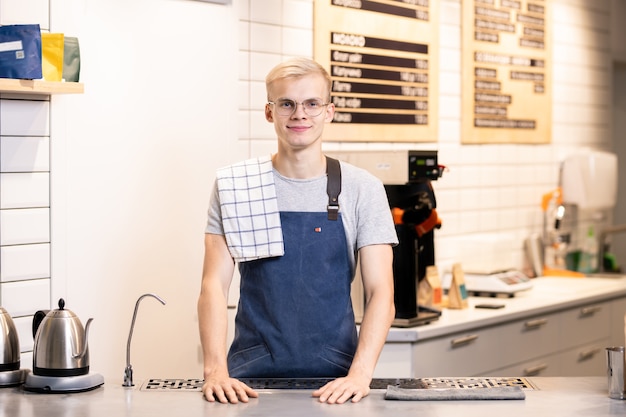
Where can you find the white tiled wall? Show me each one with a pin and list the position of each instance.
(24, 192)
(487, 188)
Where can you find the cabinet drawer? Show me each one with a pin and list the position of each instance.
(618, 316)
(395, 361)
(459, 355)
(529, 338)
(585, 324)
(466, 354)
(549, 365)
(587, 360)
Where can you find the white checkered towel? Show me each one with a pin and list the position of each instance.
(250, 210)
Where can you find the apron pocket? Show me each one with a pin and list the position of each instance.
(340, 360)
(242, 363)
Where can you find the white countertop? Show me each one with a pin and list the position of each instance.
(553, 397)
(547, 295)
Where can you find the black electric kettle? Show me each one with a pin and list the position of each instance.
(9, 343)
(60, 348)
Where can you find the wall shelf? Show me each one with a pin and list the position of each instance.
(8, 85)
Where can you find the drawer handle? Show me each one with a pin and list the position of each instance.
(588, 354)
(463, 340)
(589, 311)
(533, 324)
(535, 370)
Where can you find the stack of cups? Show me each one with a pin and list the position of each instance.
(615, 372)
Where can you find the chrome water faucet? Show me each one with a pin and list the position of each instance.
(128, 372)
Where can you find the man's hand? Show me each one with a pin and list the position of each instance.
(224, 389)
(341, 390)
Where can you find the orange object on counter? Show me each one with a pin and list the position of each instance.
(565, 273)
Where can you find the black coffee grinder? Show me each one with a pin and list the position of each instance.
(413, 207)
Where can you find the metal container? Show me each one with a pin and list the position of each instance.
(9, 343)
(615, 372)
(60, 348)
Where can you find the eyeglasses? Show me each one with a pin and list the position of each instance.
(286, 107)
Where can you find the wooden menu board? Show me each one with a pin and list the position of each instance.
(507, 90)
(383, 59)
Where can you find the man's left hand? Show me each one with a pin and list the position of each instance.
(341, 390)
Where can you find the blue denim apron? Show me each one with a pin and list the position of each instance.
(295, 316)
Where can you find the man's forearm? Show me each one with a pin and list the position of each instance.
(213, 319)
(379, 314)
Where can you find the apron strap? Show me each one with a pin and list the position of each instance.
(333, 187)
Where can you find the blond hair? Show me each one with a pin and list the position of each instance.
(296, 67)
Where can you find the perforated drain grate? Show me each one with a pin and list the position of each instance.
(195, 385)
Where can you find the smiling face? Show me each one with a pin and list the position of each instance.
(299, 130)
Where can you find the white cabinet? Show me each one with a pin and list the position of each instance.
(565, 342)
(618, 322)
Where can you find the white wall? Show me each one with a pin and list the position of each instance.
(488, 188)
(134, 159)
(173, 90)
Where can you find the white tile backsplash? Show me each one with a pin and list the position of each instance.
(24, 327)
(297, 42)
(24, 154)
(243, 123)
(265, 38)
(298, 13)
(24, 118)
(258, 95)
(24, 262)
(24, 190)
(261, 63)
(243, 89)
(266, 11)
(23, 298)
(21, 226)
(25, 12)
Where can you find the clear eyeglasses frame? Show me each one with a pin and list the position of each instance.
(286, 107)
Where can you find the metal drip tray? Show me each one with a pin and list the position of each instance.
(195, 385)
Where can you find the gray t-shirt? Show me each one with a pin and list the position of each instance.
(363, 206)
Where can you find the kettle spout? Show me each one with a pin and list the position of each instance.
(82, 353)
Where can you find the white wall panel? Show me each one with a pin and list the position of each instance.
(298, 13)
(24, 326)
(24, 190)
(266, 11)
(265, 38)
(23, 298)
(21, 226)
(24, 12)
(24, 118)
(24, 262)
(24, 154)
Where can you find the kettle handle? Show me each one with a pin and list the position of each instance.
(37, 319)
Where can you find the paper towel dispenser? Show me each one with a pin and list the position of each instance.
(589, 180)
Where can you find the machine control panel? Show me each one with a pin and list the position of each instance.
(423, 166)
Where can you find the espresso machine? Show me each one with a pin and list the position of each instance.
(407, 177)
(413, 206)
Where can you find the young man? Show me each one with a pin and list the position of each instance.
(297, 254)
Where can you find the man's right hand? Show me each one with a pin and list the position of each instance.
(226, 390)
